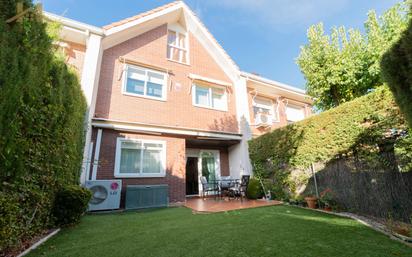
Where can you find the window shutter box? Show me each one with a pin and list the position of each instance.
(146, 196)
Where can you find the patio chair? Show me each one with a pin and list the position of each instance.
(208, 187)
(240, 189)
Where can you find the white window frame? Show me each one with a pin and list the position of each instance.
(178, 30)
(210, 88)
(294, 106)
(274, 112)
(146, 71)
(119, 142)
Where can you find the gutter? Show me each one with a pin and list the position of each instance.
(74, 24)
(273, 83)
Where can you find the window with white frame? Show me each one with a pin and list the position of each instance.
(210, 97)
(294, 113)
(177, 49)
(265, 106)
(140, 158)
(145, 82)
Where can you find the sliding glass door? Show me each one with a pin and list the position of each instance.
(208, 166)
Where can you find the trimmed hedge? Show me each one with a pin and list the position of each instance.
(360, 150)
(70, 204)
(324, 136)
(41, 126)
(396, 69)
(254, 189)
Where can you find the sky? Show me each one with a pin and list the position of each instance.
(261, 36)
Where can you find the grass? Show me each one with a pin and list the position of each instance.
(267, 231)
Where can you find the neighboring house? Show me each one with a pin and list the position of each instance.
(167, 104)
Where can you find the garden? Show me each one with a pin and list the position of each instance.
(265, 231)
(354, 156)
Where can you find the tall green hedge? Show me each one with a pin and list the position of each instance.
(363, 121)
(397, 71)
(41, 126)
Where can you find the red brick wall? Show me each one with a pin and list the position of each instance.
(178, 110)
(75, 56)
(224, 162)
(281, 114)
(175, 163)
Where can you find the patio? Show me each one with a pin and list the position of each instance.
(211, 204)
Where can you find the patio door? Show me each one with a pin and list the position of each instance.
(209, 165)
(192, 176)
(201, 163)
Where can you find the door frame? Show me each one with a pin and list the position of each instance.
(196, 152)
(197, 166)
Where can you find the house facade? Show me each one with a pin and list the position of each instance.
(166, 104)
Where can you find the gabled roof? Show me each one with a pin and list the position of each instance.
(140, 15)
(175, 10)
(120, 31)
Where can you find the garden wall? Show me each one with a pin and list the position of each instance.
(358, 188)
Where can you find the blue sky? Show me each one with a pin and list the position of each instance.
(262, 36)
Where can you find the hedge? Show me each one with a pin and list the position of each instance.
(360, 150)
(366, 127)
(324, 136)
(41, 126)
(396, 68)
(70, 204)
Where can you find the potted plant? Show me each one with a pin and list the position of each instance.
(311, 201)
(327, 198)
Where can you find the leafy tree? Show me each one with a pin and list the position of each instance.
(397, 71)
(345, 64)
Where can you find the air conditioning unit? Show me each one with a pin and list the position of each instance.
(105, 194)
(263, 120)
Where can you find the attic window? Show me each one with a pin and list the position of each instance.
(177, 46)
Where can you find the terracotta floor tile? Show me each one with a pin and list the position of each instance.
(220, 205)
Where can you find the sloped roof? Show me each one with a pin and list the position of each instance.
(164, 8)
(210, 37)
(141, 15)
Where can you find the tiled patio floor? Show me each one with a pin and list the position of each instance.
(220, 205)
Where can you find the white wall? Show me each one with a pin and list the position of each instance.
(239, 162)
(89, 84)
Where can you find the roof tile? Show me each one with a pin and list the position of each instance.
(141, 15)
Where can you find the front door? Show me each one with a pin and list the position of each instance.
(192, 176)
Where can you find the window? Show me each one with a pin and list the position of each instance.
(294, 113)
(177, 46)
(210, 97)
(265, 106)
(145, 82)
(140, 158)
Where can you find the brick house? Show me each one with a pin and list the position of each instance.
(167, 104)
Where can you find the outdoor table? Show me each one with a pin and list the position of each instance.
(224, 184)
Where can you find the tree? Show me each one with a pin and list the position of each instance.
(397, 71)
(41, 124)
(345, 64)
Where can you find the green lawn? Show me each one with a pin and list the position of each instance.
(266, 231)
